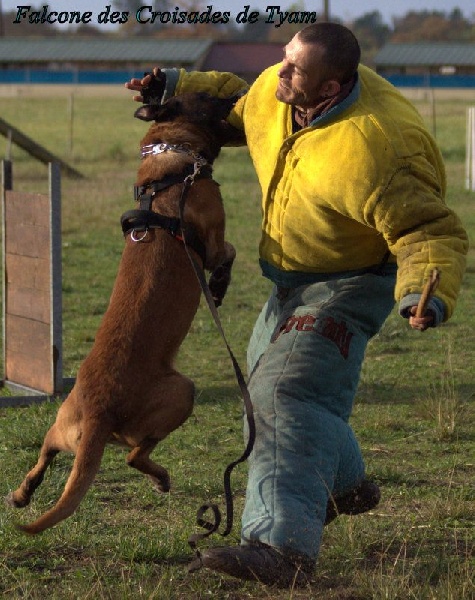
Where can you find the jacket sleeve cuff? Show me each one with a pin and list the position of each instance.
(172, 77)
(435, 305)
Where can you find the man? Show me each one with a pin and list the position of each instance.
(354, 216)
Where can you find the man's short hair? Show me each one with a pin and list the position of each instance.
(342, 51)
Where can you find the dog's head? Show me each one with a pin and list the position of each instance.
(193, 116)
(199, 108)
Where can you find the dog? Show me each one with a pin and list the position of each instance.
(127, 390)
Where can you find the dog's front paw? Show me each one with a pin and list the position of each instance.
(219, 281)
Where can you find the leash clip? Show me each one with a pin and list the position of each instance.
(190, 179)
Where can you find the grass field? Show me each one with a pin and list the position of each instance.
(414, 412)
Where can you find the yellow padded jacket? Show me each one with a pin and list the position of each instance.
(365, 178)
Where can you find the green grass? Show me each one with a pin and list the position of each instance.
(414, 413)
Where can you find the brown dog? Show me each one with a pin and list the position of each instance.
(127, 390)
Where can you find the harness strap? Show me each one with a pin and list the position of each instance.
(145, 218)
(145, 199)
(142, 220)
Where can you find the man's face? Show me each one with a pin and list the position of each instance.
(301, 74)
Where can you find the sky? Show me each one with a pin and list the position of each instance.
(345, 10)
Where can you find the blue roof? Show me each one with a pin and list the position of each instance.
(426, 54)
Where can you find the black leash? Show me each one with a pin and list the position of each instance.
(212, 526)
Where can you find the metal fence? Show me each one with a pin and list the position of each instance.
(432, 81)
(88, 77)
(40, 76)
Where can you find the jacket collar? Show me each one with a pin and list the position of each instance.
(336, 110)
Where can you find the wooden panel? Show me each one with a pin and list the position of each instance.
(27, 225)
(27, 256)
(27, 272)
(28, 287)
(32, 287)
(28, 353)
(32, 209)
(29, 303)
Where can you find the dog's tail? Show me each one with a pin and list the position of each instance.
(85, 467)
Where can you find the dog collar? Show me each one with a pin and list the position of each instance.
(151, 149)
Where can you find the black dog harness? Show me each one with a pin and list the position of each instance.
(144, 218)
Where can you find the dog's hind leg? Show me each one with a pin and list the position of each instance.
(139, 459)
(22, 496)
(94, 436)
(170, 404)
(61, 436)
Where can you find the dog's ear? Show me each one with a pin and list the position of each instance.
(227, 134)
(146, 112)
(158, 112)
(225, 105)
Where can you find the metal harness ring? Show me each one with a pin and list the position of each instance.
(140, 239)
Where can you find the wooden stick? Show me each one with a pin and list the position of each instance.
(427, 292)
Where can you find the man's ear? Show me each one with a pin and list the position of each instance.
(330, 88)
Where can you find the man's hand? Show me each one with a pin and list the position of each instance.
(136, 85)
(420, 323)
(421, 316)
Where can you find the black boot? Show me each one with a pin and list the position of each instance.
(257, 563)
(361, 499)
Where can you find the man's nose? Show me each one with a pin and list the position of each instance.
(284, 70)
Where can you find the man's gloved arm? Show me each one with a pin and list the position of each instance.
(170, 82)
